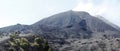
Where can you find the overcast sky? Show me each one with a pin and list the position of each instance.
(31, 11)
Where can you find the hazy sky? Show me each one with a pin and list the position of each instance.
(31, 11)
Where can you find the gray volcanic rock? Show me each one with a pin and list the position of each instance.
(75, 24)
(67, 24)
(76, 18)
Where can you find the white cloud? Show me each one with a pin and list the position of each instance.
(84, 7)
(110, 9)
(90, 7)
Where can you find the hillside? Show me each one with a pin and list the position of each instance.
(72, 30)
(74, 24)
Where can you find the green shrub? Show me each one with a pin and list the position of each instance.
(38, 40)
(22, 44)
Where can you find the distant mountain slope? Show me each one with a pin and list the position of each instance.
(14, 28)
(108, 22)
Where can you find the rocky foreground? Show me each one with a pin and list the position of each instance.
(92, 44)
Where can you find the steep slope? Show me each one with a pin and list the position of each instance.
(75, 24)
(67, 24)
(72, 18)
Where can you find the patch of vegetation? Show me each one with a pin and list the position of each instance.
(33, 43)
